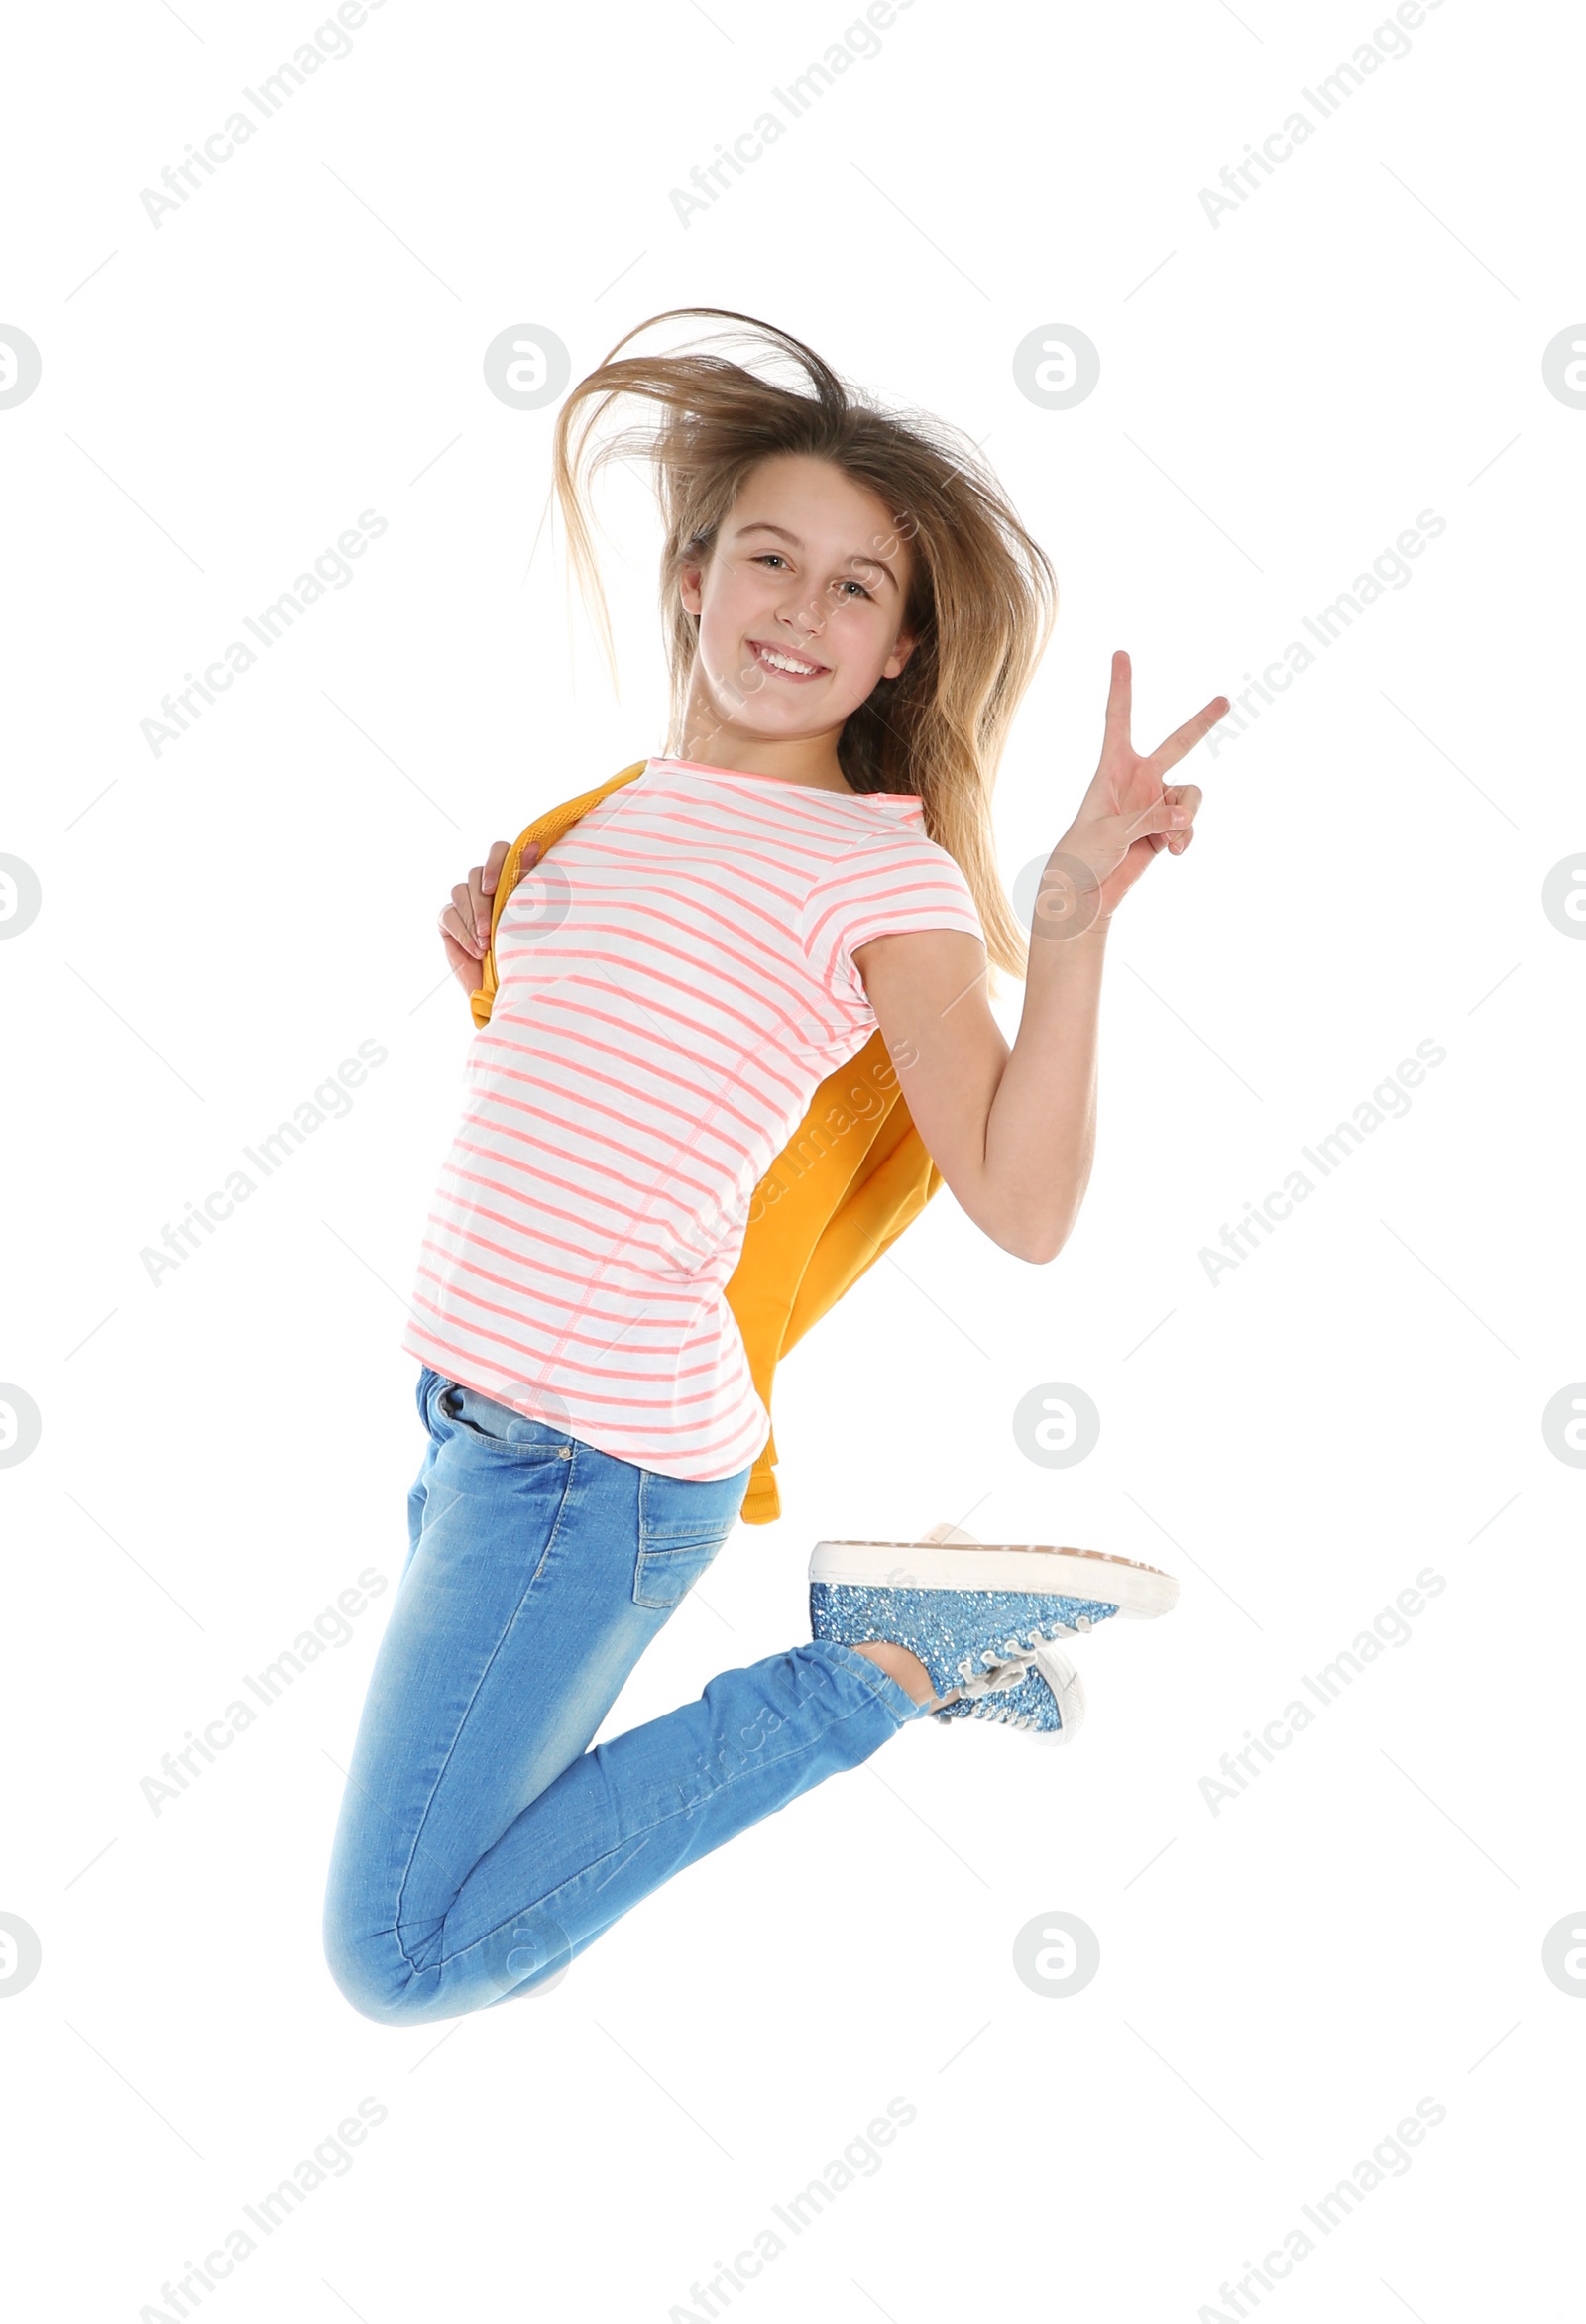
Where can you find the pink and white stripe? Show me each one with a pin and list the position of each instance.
(675, 982)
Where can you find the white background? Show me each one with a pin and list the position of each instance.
(1280, 394)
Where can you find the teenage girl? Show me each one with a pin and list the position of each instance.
(852, 613)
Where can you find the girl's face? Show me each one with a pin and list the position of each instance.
(800, 604)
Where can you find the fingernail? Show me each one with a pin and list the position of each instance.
(1179, 816)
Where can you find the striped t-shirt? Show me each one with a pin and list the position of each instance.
(675, 982)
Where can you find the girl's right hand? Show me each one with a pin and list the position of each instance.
(465, 921)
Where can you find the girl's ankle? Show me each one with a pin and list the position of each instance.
(899, 1664)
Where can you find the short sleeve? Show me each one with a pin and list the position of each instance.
(895, 886)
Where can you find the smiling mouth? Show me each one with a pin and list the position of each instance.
(798, 667)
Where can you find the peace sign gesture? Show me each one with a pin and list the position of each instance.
(1129, 814)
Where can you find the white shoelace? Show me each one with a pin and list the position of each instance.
(1006, 1669)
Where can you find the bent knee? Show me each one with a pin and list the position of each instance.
(404, 1976)
(374, 1975)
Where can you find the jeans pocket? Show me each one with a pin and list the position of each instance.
(468, 1412)
(682, 1523)
(666, 1571)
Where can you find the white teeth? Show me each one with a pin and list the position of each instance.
(786, 662)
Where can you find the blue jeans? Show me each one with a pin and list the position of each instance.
(482, 1843)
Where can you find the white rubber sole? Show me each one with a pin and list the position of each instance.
(1137, 1591)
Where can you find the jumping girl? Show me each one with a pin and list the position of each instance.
(852, 613)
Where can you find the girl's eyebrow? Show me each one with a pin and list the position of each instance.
(762, 524)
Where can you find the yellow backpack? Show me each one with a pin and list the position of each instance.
(850, 1179)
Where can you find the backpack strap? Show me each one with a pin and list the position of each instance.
(547, 829)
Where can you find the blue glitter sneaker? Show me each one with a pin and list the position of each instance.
(976, 1615)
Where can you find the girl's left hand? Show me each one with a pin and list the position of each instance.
(1128, 814)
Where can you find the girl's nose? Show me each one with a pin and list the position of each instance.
(806, 616)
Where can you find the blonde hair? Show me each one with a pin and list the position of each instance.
(981, 597)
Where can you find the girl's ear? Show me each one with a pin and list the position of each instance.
(690, 577)
(892, 667)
